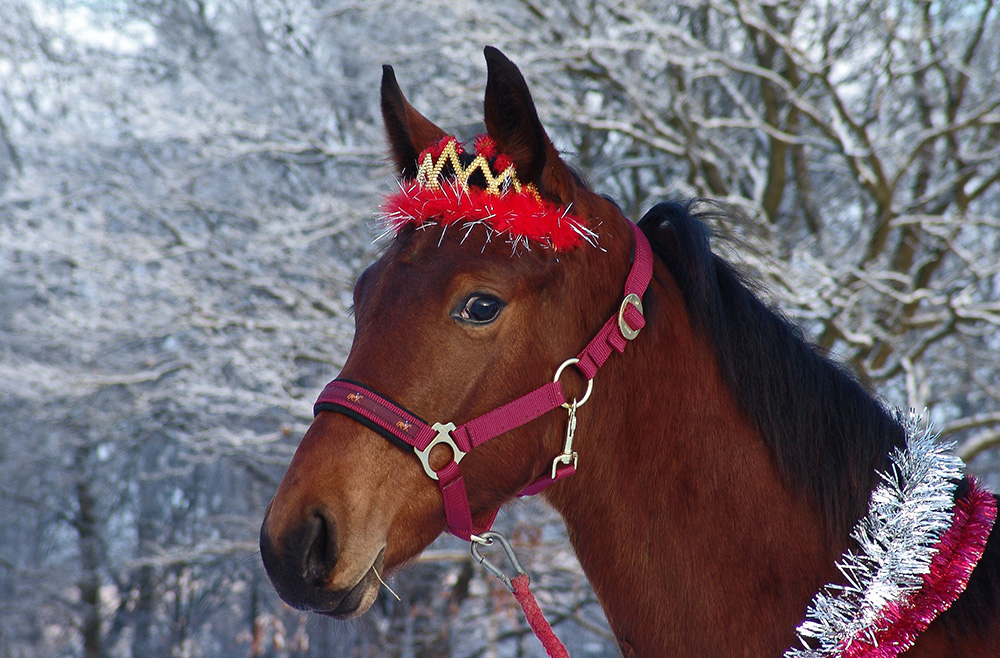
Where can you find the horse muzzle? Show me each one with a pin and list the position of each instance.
(305, 566)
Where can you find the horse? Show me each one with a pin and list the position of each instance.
(719, 463)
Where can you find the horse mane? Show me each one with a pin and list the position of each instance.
(826, 433)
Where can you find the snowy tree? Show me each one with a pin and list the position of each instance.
(186, 193)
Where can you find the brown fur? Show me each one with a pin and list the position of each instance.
(694, 542)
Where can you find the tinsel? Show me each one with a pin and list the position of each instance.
(441, 195)
(518, 218)
(915, 554)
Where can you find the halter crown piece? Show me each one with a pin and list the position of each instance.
(485, 192)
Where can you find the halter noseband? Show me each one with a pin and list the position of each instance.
(409, 431)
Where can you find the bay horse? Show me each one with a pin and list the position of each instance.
(720, 462)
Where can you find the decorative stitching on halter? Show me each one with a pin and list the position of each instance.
(445, 192)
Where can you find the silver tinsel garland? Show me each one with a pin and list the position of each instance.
(908, 512)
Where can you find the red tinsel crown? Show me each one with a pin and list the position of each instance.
(443, 195)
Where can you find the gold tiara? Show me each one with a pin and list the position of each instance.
(448, 152)
(441, 194)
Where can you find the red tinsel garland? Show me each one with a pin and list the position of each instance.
(956, 555)
(518, 216)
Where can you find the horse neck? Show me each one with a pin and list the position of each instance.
(677, 512)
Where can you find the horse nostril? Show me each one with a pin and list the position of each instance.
(320, 544)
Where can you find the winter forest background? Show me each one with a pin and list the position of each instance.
(186, 197)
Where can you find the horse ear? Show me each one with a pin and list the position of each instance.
(513, 123)
(409, 132)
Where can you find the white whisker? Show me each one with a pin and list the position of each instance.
(384, 584)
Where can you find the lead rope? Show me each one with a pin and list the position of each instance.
(536, 620)
(519, 588)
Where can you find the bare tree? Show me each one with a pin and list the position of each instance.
(186, 190)
(858, 140)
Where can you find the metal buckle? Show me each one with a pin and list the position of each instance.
(590, 383)
(487, 539)
(443, 436)
(628, 332)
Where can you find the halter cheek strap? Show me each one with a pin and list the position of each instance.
(409, 431)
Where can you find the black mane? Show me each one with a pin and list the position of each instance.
(828, 435)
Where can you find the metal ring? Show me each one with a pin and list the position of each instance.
(590, 382)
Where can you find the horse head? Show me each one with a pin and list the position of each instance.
(724, 461)
(465, 311)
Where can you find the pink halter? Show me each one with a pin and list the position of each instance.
(406, 429)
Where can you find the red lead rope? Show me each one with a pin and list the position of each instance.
(536, 619)
(519, 587)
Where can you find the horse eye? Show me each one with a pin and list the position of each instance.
(480, 309)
